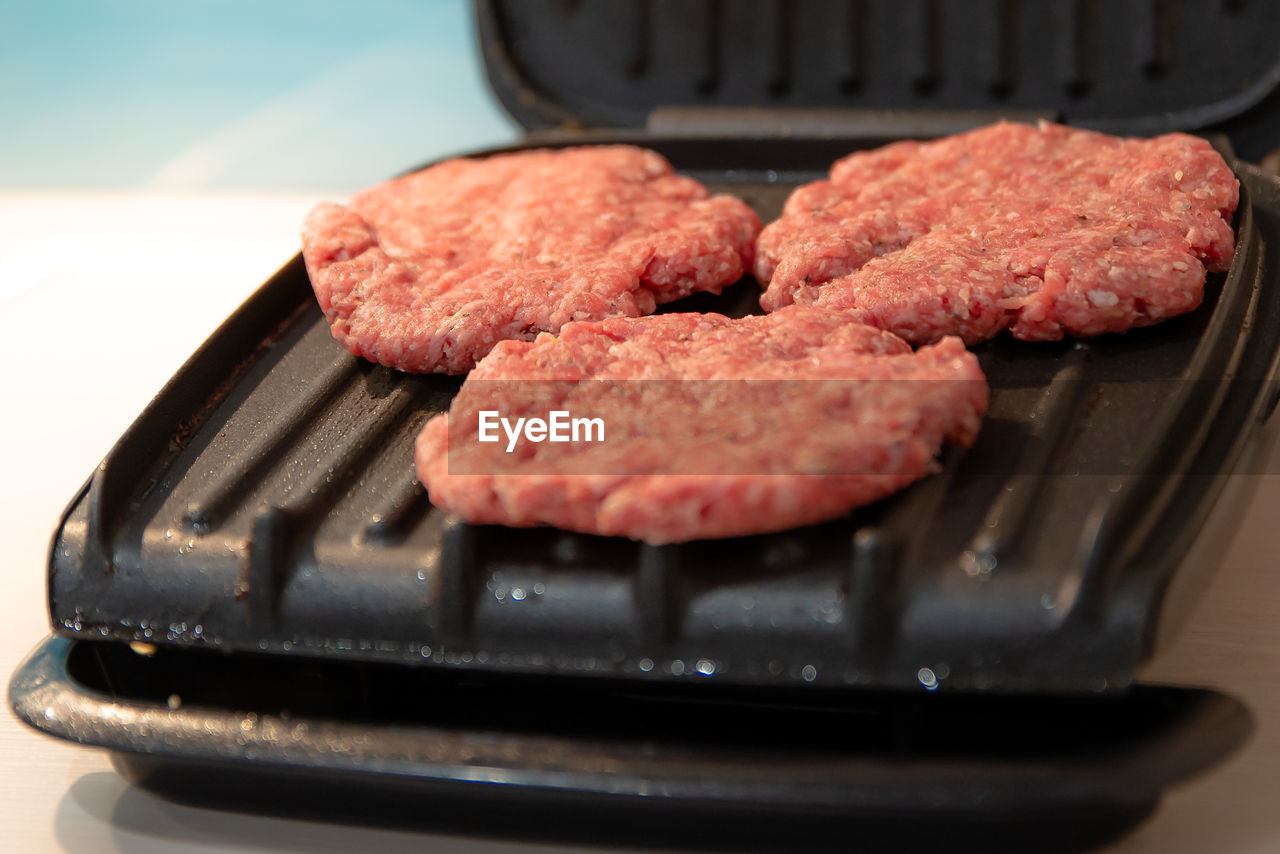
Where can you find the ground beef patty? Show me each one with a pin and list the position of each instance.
(1045, 231)
(712, 427)
(427, 272)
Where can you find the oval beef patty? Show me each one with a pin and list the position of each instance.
(710, 427)
(1045, 231)
(427, 272)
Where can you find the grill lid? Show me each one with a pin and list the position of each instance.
(1128, 67)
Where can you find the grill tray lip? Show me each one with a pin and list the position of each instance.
(103, 583)
(366, 743)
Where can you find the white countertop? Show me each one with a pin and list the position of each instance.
(103, 297)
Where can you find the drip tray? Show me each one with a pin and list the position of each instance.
(558, 758)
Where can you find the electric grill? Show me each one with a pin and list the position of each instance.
(957, 658)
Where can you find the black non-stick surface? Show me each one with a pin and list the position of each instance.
(1130, 67)
(267, 501)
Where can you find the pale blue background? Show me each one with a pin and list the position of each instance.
(196, 95)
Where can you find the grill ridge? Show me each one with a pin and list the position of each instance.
(658, 607)
(640, 28)
(208, 510)
(1155, 34)
(1017, 509)
(778, 61)
(1004, 78)
(398, 511)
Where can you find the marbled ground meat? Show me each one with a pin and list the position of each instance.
(712, 427)
(427, 272)
(1045, 231)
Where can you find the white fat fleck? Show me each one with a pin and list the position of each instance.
(1177, 176)
(1013, 289)
(1103, 299)
(1180, 266)
(1115, 273)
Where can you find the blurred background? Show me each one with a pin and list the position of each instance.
(156, 160)
(236, 95)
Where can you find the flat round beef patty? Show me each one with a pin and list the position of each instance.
(711, 427)
(1045, 231)
(427, 272)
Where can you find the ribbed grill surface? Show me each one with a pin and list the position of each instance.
(267, 500)
(1127, 64)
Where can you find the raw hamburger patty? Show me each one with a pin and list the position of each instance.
(1045, 231)
(426, 273)
(712, 427)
